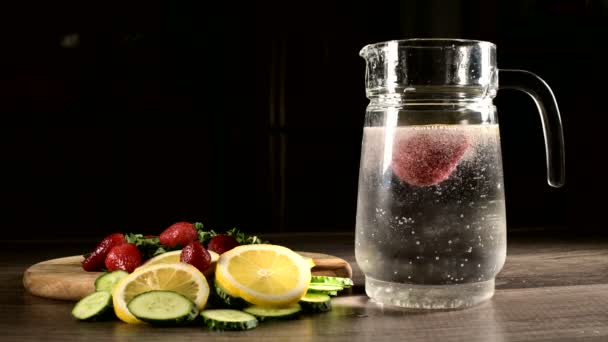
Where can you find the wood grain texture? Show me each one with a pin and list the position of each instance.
(329, 265)
(61, 278)
(64, 278)
(551, 289)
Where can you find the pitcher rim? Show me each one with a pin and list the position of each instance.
(410, 42)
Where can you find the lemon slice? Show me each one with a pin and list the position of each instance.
(165, 258)
(266, 275)
(310, 262)
(179, 277)
(173, 257)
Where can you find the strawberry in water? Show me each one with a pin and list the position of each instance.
(95, 260)
(180, 233)
(222, 243)
(428, 156)
(125, 257)
(196, 255)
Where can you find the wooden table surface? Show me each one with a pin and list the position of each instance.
(551, 289)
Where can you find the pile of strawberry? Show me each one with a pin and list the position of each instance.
(119, 252)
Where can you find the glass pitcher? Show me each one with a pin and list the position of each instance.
(431, 227)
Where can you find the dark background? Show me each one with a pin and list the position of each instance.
(129, 116)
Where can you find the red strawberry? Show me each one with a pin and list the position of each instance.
(95, 260)
(124, 257)
(222, 243)
(428, 157)
(180, 233)
(196, 255)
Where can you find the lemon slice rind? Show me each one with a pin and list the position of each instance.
(235, 288)
(153, 282)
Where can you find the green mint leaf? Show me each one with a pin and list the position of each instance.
(204, 235)
(148, 246)
(133, 238)
(244, 239)
(159, 250)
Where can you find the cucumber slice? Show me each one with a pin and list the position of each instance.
(95, 307)
(324, 287)
(228, 319)
(329, 293)
(315, 302)
(331, 290)
(163, 308)
(344, 282)
(264, 313)
(107, 281)
(228, 300)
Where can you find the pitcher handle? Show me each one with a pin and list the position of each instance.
(550, 118)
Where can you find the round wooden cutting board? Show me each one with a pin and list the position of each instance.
(64, 278)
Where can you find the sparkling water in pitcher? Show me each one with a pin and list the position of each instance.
(431, 223)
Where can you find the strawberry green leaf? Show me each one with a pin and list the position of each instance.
(243, 238)
(148, 246)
